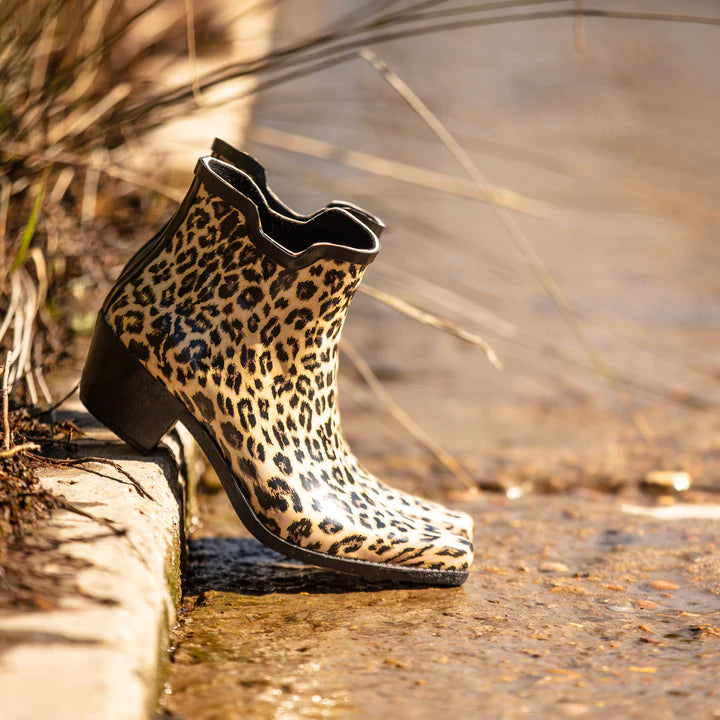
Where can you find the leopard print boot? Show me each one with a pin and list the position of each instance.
(459, 523)
(229, 322)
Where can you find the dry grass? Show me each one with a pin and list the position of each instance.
(65, 69)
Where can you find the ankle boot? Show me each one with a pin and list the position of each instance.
(230, 324)
(459, 523)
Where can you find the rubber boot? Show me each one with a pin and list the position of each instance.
(230, 324)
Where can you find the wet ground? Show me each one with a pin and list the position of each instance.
(576, 607)
(588, 597)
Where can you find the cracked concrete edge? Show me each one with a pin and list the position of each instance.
(102, 652)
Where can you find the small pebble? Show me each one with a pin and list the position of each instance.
(573, 709)
(494, 570)
(664, 482)
(554, 567)
(647, 604)
(569, 589)
(663, 585)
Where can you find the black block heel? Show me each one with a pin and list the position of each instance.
(118, 390)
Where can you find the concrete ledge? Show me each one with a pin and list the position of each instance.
(101, 653)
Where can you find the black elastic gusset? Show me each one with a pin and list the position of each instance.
(250, 166)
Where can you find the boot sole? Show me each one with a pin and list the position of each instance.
(125, 397)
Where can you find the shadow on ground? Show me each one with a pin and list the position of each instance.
(246, 567)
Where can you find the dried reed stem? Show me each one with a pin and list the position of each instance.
(513, 229)
(450, 299)
(88, 206)
(5, 402)
(579, 26)
(426, 318)
(17, 449)
(5, 192)
(192, 52)
(403, 172)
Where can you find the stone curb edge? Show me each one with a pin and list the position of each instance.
(102, 653)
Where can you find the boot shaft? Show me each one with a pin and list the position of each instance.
(230, 282)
